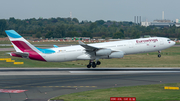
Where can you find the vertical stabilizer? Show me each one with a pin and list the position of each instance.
(20, 44)
(23, 47)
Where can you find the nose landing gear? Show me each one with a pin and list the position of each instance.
(159, 55)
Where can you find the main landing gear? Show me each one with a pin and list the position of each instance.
(159, 55)
(93, 64)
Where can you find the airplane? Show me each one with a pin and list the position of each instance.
(92, 52)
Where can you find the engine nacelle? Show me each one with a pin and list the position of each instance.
(116, 55)
(104, 52)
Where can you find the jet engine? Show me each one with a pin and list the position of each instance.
(104, 52)
(117, 55)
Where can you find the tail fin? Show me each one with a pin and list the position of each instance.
(23, 47)
(20, 44)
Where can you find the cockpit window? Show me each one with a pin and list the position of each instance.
(168, 40)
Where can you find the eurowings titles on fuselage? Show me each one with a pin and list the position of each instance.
(91, 52)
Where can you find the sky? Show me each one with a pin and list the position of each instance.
(91, 10)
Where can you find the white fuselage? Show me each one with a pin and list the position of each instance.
(134, 46)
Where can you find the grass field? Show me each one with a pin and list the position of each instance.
(170, 58)
(142, 93)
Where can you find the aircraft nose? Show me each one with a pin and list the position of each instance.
(174, 42)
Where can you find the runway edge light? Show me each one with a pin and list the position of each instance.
(172, 88)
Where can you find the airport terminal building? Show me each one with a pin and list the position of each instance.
(158, 23)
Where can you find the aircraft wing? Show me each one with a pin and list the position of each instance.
(99, 52)
(92, 48)
(88, 47)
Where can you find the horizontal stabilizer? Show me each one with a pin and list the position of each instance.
(24, 55)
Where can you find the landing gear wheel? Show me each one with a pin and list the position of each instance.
(88, 66)
(93, 65)
(159, 55)
(98, 63)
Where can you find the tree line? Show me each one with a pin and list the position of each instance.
(72, 27)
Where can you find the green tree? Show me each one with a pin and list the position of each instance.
(100, 22)
(135, 34)
(122, 31)
(3, 27)
(72, 34)
(86, 34)
(92, 26)
(118, 35)
(60, 26)
(49, 34)
(103, 36)
(75, 20)
(38, 34)
(60, 32)
(12, 19)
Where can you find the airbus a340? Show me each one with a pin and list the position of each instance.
(91, 52)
